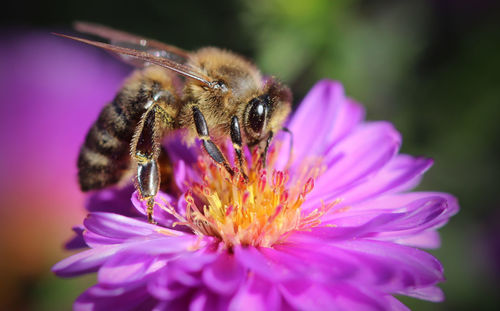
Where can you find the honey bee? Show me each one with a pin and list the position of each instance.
(212, 93)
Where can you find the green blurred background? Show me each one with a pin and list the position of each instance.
(430, 67)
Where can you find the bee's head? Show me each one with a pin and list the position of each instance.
(267, 112)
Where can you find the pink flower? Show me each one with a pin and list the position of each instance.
(335, 228)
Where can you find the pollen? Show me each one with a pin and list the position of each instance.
(261, 211)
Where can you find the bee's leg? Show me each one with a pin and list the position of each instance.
(211, 148)
(236, 140)
(263, 155)
(146, 150)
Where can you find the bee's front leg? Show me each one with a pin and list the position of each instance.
(211, 148)
(146, 148)
(237, 144)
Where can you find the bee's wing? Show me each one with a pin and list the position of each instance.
(131, 41)
(147, 57)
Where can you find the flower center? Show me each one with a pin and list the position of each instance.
(258, 212)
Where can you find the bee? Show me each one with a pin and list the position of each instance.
(212, 93)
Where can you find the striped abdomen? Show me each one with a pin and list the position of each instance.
(105, 154)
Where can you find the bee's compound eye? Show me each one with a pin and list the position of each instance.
(257, 115)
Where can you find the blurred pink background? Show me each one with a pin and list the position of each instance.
(52, 89)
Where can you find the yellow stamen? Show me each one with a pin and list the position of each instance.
(259, 212)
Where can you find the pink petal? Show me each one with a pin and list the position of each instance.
(304, 295)
(112, 200)
(163, 288)
(204, 300)
(117, 226)
(91, 260)
(431, 293)
(98, 298)
(394, 266)
(350, 114)
(254, 260)
(323, 116)
(428, 239)
(77, 240)
(394, 304)
(182, 273)
(363, 152)
(162, 217)
(224, 275)
(126, 267)
(256, 294)
(84, 262)
(387, 267)
(401, 173)
(411, 218)
(356, 158)
(107, 228)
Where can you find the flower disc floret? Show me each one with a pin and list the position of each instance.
(258, 211)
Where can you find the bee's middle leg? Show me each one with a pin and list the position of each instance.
(146, 149)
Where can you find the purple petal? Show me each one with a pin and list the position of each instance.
(428, 239)
(410, 218)
(172, 246)
(207, 301)
(194, 261)
(180, 151)
(412, 214)
(84, 262)
(107, 228)
(388, 267)
(256, 294)
(254, 260)
(356, 158)
(91, 260)
(181, 303)
(224, 275)
(394, 304)
(431, 293)
(77, 241)
(350, 115)
(313, 131)
(163, 288)
(129, 267)
(98, 298)
(429, 213)
(304, 295)
(162, 217)
(113, 200)
(182, 273)
(400, 202)
(180, 173)
(401, 174)
(314, 261)
(281, 263)
(341, 232)
(319, 262)
(394, 267)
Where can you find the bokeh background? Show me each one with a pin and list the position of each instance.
(431, 67)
